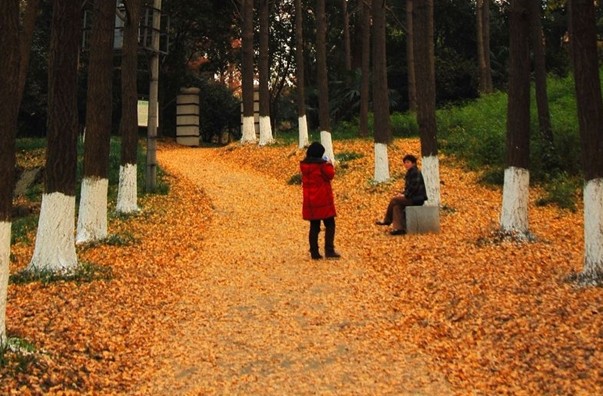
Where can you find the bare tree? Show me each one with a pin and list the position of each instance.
(264, 74)
(127, 193)
(542, 99)
(483, 46)
(410, 57)
(323, 79)
(247, 74)
(54, 248)
(365, 12)
(514, 214)
(9, 86)
(347, 49)
(383, 134)
(299, 74)
(30, 15)
(424, 66)
(92, 216)
(583, 36)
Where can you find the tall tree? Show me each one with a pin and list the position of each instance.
(347, 48)
(30, 15)
(323, 79)
(410, 57)
(514, 214)
(247, 74)
(127, 193)
(542, 99)
(153, 116)
(583, 36)
(299, 75)
(264, 74)
(55, 243)
(92, 216)
(365, 15)
(383, 134)
(483, 46)
(9, 86)
(424, 66)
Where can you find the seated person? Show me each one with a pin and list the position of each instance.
(414, 194)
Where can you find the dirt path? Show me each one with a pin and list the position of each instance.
(262, 318)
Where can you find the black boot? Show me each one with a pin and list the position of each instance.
(313, 239)
(329, 242)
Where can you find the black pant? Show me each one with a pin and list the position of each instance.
(329, 234)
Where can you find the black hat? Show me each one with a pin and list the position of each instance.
(315, 150)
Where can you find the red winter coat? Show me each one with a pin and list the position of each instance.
(318, 201)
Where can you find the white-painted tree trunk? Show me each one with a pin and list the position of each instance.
(127, 192)
(92, 216)
(304, 140)
(516, 189)
(593, 227)
(431, 175)
(4, 273)
(327, 142)
(54, 249)
(265, 131)
(381, 163)
(248, 133)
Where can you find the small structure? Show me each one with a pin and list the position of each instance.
(187, 117)
(422, 219)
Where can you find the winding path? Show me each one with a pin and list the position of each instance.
(262, 318)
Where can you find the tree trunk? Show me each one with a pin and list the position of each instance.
(383, 133)
(483, 46)
(322, 77)
(365, 10)
(92, 216)
(542, 99)
(486, 33)
(127, 194)
(514, 215)
(264, 75)
(410, 57)
(346, 37)
(299, 74)
(583, 35)
(248, 133)
(32, 9)
(55, 243)
(9, 86)
(153, 119)
(425, 82)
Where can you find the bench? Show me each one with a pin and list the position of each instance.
(422, 219)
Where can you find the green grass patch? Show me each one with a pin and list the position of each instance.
(22, 227)
(83, 273)
(17, 353)
(296, 179)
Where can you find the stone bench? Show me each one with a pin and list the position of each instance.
(422, 219)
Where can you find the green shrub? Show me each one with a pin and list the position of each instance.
(295, 179)
(404, 125)
(560, 191)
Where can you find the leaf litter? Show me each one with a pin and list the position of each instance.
(217, 293)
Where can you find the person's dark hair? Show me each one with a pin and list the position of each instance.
(315, 150)
(410, 157)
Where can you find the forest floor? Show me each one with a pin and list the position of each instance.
(213, 292)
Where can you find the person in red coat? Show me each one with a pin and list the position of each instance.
(318, 204)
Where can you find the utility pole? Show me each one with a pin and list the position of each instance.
(151, 173)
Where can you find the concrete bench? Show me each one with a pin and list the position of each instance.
(422, 219)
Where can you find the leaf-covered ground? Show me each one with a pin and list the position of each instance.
(213, 292)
